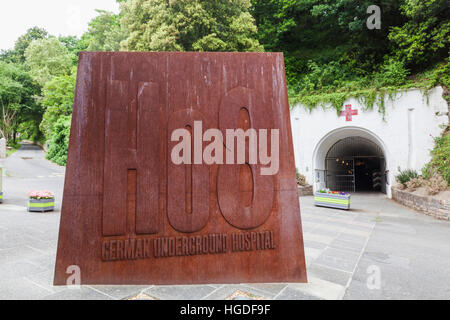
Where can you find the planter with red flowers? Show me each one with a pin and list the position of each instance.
(332, 199)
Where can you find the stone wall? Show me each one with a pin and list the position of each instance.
(305, 191)
(427, 204)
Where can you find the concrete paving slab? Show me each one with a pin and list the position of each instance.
(22, 289)
(19, 269)
(310, 236)
(329, 274)
(347, 245)
(343, 264)
(272, 288)
(342, 253)
(320, 288)
(121, 292)
(193, 292)
(293, 294)
(45, 280)
(226, 291)
(83, 293)
(312, 254)
(314, 244)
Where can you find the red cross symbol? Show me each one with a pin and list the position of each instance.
(348, 113)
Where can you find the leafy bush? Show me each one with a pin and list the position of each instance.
(324, 76)
(59, 142)
(424, 36)
(441, 75)
(405, 175)
(428, 171)
(392, 73)
(14, 145)
(57, 99)
(441, 156)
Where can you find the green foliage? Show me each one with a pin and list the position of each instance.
(331, 55)
(440, 156)
(23, 42)
(405, 175)
(392, 73)
(105, 32)
(47, 58)
(29, 130)
(441, 76)
(7, 56)
(59, 142)
(57, 99)
(427, 171)
(324, 31)
(17, 104)
(324, 76)
(188, 25)
(424, 38)
(74, 46)
(10, 151)
(70, 42)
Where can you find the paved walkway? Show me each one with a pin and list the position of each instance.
(378, 250)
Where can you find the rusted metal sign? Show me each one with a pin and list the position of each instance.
(133, 214)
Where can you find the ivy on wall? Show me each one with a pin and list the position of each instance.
(369, 97)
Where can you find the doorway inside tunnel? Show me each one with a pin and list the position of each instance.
(355, 164)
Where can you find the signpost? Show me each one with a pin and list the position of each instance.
(133, 215)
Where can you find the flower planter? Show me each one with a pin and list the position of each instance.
(42, 205)
(1, 197)
(332, 200)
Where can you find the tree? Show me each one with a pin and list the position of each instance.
(57, 100)
(17, 103)
(189, 25)
(24, 41)
(47, 58)
(424, 38)
(8, 56)
(59, 143)
(105, 32)
(325, 31)
(70, 42)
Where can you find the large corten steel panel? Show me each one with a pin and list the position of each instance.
(132, 216)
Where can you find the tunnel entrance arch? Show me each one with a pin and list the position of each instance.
(351, 159)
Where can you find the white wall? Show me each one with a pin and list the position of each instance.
(406, 135)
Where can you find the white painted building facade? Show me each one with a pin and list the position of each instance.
(403, 139)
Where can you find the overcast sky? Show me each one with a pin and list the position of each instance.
(58, 17)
